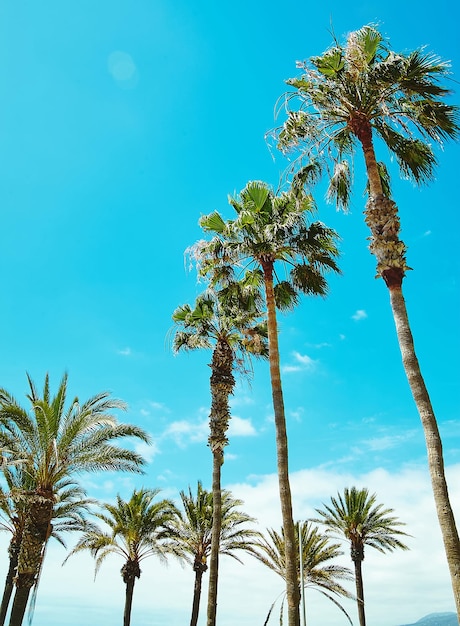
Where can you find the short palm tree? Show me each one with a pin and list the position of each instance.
(315, 570)
(270, 232)
(356, 518)
(229, 323)
(69, 515)
(359, 95)
(192, 535)
(55, 444)
(135, 530)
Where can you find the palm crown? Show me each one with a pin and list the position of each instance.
(357, 518)
(55, 442)
(272, 230)
(362, 87)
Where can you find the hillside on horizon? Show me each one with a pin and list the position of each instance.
(436, 619)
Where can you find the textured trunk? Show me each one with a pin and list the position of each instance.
(432, 438)
(360, 592)
(382, 218)
(13, 551)
(128, 600)
(130, 571)
(292, 585)
(222, 385)
(215, 539)
(198, 568)
(36, 531)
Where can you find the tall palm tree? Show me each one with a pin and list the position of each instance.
(348, 97)
(228, 322)
(69, 511)
(356, 518)
(55, 444)
(269, 231)
(192, 534)
(136, 529)
(315, 570)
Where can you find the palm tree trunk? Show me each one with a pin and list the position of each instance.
(9, 581)
(360, 592)
(382, 218)
(432, 438)
(128, 600)
(222, 385)
(292, 585)
(21, 598)
(215, 540)
(196, 594)
(36, 532)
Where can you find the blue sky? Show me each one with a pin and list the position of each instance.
(123, 122)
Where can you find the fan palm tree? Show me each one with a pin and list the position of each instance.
(55, 444)
(193, 534)
(228, 322)
(348, 97)
(356, 518)
(69, 511)
(269, 231)
(136, 529)
(315, 570)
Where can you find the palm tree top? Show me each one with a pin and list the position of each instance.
(193, 531)
(360, 87)
(134, 528)
(356, 517)
(269, 229)
(56, 441)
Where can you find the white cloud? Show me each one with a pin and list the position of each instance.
(389, 441)
(125, 351)
(240, 427)
(301, 362)
(184, 432)
(427, 233)
(359, 315)
(147, 451)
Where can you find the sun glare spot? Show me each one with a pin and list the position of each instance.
(123, 69)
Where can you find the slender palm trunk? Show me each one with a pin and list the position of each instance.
(215, 541)
(13, 551)
(382, 218)
(128, 600)
(360, 592)
(222, 385)
(199, 569)
(37, 528)
(292, 585)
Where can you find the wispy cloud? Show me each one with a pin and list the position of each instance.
(147, 451)
(359, 315)
(386, 442)
(301, 362)
(125, 351)
(184, 432)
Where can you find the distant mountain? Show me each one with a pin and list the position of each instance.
(437, 619)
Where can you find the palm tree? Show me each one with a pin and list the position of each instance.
(356, 518)
(315, 569)
(228, 322)
(137, 529)
(192, 535)
(68, 515)
(268, 231)
(348, 97)
(56, 443)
